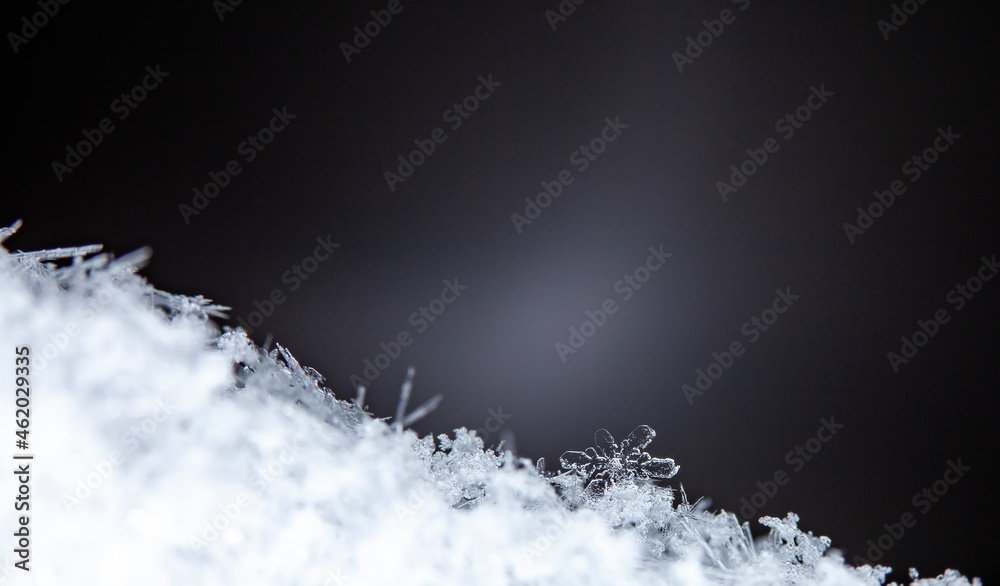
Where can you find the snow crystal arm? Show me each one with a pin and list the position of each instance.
(182, 304)
(136, 259)
(576, 461)
(660, 468)
(6, 233)
(637, 440)
(57, 253)
(604, 443)
(404, 398)
(422, 411)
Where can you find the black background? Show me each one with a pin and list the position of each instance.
(655, 185)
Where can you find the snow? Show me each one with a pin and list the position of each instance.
(169, 452)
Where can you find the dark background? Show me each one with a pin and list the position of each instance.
(495, 346)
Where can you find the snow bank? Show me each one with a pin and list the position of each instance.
(168, 452)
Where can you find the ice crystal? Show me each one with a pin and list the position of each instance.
(402, 419)
(608, 463)
(798, 552)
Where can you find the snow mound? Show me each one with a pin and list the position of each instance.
(166, 451)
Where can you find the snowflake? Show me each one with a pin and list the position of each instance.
(609, 463)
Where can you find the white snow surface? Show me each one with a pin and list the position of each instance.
(168, 452)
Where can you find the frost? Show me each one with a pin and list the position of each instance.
(171, 452)
(798, 552)
(462, 468)
(948, 578)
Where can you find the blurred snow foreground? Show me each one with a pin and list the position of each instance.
(168, 452)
